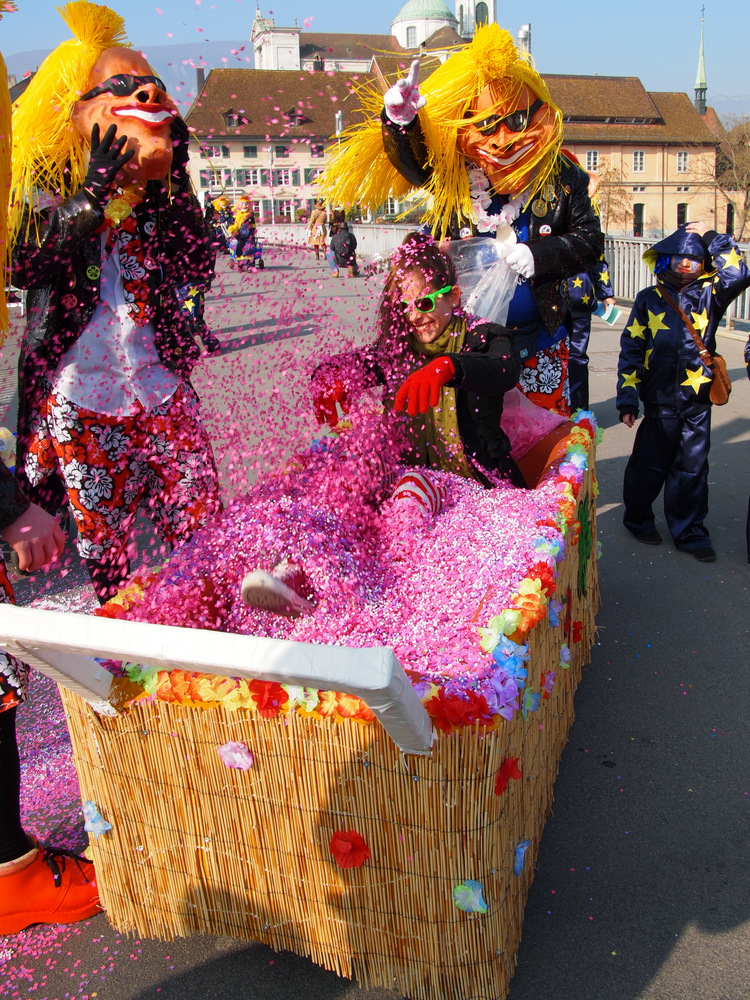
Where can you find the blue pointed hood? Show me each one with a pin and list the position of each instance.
(679, 242)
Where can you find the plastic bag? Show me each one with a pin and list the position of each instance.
(487, 283)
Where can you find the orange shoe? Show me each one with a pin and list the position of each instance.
(51, 887)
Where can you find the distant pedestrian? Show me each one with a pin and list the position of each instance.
(343, 252)
(316, 228)
(698, 273)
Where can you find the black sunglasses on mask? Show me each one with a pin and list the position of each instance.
(516, 121)
(123, 85)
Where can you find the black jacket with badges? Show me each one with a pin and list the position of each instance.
(58, 258)
(565, 238)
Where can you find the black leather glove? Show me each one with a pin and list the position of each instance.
(107, 159)
(180, 148)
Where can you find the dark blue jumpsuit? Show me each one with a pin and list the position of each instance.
(660, 364)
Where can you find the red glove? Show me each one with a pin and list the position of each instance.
(325, 397)
(421, 390)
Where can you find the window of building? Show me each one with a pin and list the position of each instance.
(481, 14)
(284, 208)
(312, 173)
(231, 118)
(638, 219)
(682, 213)
(411, 37)
(281, 152)
(207, 178)
(684, 187)
(639, 161)
(250, 152)
(317, 149)
(592, 160)
(282, 178)
(639, 187)
(214, 152)
(251, 178)
(391, 206)
(730, 219)
(682, 162)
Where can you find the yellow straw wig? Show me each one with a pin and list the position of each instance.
(48, 154)
(359, 170)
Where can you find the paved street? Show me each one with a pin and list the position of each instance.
(642, 890)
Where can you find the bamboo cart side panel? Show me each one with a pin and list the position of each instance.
(196, 846)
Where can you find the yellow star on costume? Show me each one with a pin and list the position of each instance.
(655, 322)
(732, 259)
(695, 379)
(700, 320)
(637, 329)
(604, 277)
(585, 299)
(577, 281)
(629, 380)
(647, 357)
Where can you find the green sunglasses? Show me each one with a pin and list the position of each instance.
(426, 303)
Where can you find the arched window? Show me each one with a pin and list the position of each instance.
(481, 14)
(681, 213)
(460, 19)
(411, 37)
(730, 218)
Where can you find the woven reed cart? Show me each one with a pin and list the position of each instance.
(197, 846)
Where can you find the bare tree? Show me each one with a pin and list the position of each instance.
(733, 171)
(615, 201)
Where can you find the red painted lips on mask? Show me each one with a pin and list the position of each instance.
(145, 116)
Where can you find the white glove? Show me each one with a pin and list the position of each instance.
(403, 100)
(521, 260)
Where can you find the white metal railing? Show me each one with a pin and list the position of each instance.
(624, 254)
(629, 274)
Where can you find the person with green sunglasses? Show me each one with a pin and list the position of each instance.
(444, 372)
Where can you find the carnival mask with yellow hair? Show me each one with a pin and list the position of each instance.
(486, 104)
(94, 77)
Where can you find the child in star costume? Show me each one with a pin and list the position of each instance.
(660, 364)
(585, 290)
(481, 139)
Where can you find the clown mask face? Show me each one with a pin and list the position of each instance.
(509, 140)
(124, 91)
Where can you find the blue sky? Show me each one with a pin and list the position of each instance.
(656, 41)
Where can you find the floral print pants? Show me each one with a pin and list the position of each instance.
(160, 460)
(544, 378)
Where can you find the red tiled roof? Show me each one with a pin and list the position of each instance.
(345, 46)
(601, 97)
(619, 109)
(264, 98)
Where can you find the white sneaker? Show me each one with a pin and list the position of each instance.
(271, 592)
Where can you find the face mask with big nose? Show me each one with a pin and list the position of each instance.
(506, 142)
(125, 92)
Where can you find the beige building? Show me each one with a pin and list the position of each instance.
(266, 131)
(653, 153)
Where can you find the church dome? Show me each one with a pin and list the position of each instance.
(424, 9)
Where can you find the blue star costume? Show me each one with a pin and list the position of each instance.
(585, 291)
(660, 364)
